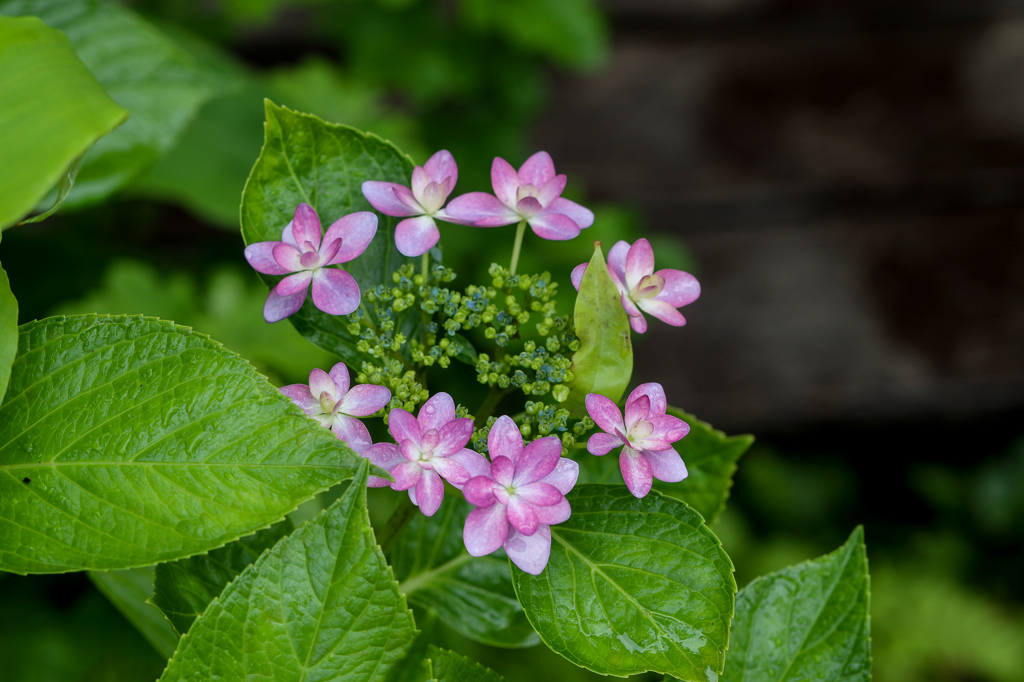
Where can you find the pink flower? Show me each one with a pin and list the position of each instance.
(429, 447)
(304, 253)
(534, 194)
(525, 488)
(431, 184)
(647, 436)
(330, 401)
(658, 293)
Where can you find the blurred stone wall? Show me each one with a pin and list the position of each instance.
(850, 178)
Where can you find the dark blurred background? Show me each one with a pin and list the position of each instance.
(845, 178)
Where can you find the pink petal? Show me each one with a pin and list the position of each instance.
(450, 470)
(355, 231)
(453, 436)
(638, 323)
(505, 182)
(441, 166)
(669, 428)
(364, 400)
(406, 475)
(639, 262)
(293, 284)
(617, 261)
(537, 460)
(436, 412)
(486, 530)
(577, 275)
(479, 491)
(564, 476)
(555, 513)
(554, 226)
(629, 306)
(385, 455)
(529, 552)
(261, 257)
(287, 237)
(551, 190)
(636, 409)
(473, 462)
(429, 493)
(666, 465)
(521, 516)
(300, 395)
(655, 392)
(351, 431)
(528, 206)
(504, 440)
(636, 472)
(480, 210)
(279, 307)
(339, 375)
(537, 170)
(681, 288)
(420, 180)
(306, 226)
(416, 236)
(502, 470)
(663, 311)
(321, 382)
(403, 426)
(603, 443)
(539, 494)
(583, 217)
(335, 291)
(287, 257)
(383, 197)
(604, 413)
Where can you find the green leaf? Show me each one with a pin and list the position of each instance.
(159, 84)
(183, 589)
(127, 441)
(8, 331)
(806, 622)
(320, 605)
(305, 159)
(415, 666)
(633, 585)
(452, 667)
(710, 457)
(473, 596)
(604, 362)
(130, 591)
(53, 110)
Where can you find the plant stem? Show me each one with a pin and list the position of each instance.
(399, 519)
(426, 264)
(520, 231)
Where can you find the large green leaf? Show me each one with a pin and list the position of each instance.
(130, 591)
(604, 362)
(159, 84)
(183, 589)
(127, 441)
(452, 667)
(633, 585)
(806, 622)
(8, 330)
(473, 596)
(53, 110)
(305, 159)
(321, 605)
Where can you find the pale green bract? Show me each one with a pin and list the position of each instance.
(320, 605)
(127, 441)
(806, 622)
(633, 585)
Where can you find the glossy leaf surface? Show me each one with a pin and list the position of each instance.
(127, 441)
(130, 591)
(320, 605)
(452, 667)
(633, 585)
(806, 622)
(8, 331)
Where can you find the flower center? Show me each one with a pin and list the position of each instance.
(327, 402)
(649, 287)
(503, 493)
(639, 433)
(527, 191)
(309, 257)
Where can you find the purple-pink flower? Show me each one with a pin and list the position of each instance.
(642, 289)
(431, 184)
(329, 399)
(646, 435)
(519, 498)
(304, 254)
(533, 194)
(429, 447)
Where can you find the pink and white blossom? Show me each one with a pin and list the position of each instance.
(331, 400)
(304, 254)
(419, 205)
(427, 448)
(519, 498)
(533, 193)
(658, 293)
(646, 436)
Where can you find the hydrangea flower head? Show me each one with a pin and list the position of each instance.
(519, 498)
(427, 448)
(419, 205)
(304, 254)
(642, 289)
(646, 436)
(533, 193)
(331, 400)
